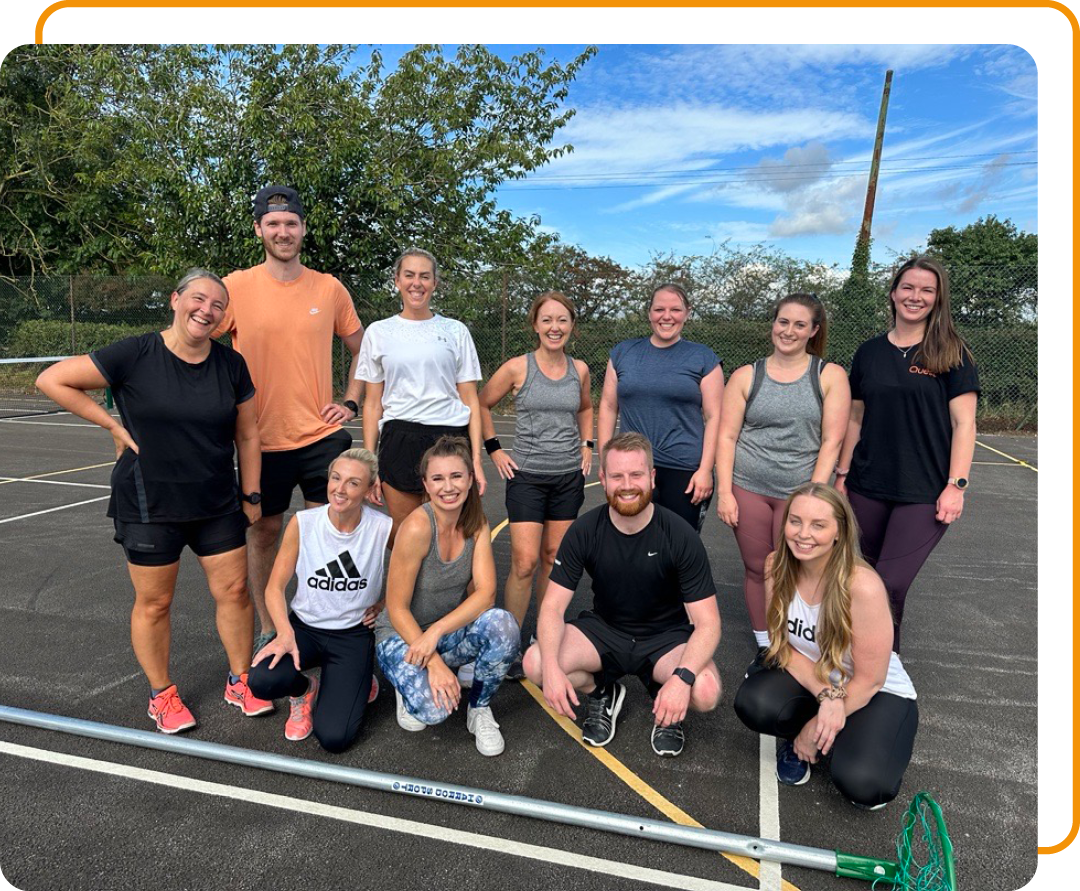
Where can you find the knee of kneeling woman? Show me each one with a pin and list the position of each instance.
(861, 784)
(499, 624)
(750, 706)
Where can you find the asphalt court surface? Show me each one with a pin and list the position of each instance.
(177, 822)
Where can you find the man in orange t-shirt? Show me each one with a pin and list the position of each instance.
(283, 317)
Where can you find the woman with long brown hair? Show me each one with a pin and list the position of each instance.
(829, 684)
(911, 435)
(782, 424)
(440, 603)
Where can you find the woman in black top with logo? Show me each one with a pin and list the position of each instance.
(911, 436)
(184, 401)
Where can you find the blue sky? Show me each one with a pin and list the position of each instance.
(680, 147)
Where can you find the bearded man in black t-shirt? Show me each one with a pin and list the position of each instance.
(654, 610)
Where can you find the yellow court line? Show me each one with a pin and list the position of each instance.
(57, 473)
(1005, 455)
(670, 810)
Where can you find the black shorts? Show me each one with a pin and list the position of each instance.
(160, 544)
(670, 492)
(622, 654)
(535, 497)
(401, 446)
(306, 466)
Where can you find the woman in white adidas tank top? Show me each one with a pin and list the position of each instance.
(337, 553)
(782, 424)
(829, 683)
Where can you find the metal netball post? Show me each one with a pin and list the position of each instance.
(923, 812)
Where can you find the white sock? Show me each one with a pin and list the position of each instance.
(762, 638)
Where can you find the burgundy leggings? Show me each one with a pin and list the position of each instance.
(896, 539)
(757, 532)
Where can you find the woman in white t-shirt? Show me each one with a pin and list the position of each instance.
(420, 370)
(829, 683)
(338, 554)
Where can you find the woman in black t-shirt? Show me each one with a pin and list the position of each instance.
(183, 401)
(911, 435)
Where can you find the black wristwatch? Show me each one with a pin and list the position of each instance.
(685, 674)
(251, 498)
(352, 406)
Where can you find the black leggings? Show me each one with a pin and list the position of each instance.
(671, 493)
(347, 658)
(870, 754)
(896, 539)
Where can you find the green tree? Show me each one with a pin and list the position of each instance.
(143, 159)
(993, 270)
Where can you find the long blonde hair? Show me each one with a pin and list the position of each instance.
(833, 633)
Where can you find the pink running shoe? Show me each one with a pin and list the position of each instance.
(170, 714)
(300, 722)
(374, 694)
(239, 695)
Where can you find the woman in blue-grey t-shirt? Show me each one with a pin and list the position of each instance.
(669, 390)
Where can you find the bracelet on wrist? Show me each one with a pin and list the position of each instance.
(836, 691)
(841, 471)
(492, 445)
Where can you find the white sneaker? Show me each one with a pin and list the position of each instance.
(405, 720)
(482, 724)
(465, 674)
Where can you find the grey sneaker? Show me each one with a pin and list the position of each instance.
(482, 724)
(668, 741)
(601, 713)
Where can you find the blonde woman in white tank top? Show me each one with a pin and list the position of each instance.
(829, 683)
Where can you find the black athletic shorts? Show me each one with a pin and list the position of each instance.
(670, 492)
(306, 466)
(535, 497)
(401, 446)
(159, 544)
(622, 654)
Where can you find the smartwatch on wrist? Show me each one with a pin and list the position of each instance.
(251, 497)
(685, 675)
(961, 482)
(352, 406)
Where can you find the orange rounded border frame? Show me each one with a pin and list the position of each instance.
(39, 31)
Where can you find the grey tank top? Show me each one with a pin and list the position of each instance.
(780, 437)
(439, 585)
(547, 439)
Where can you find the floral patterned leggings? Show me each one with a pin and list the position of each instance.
(491, 641)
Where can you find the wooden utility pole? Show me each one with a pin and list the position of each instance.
(875, 164)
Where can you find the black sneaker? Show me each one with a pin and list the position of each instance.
(515, 672)
(601, 714)
(668, 741)
(759, 663)
(789, 769)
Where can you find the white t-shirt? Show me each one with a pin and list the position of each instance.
(802, 635)
(338, 574)
(420, 364)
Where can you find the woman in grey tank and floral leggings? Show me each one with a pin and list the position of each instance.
(440, 599)
(552, 451)
(782, 424)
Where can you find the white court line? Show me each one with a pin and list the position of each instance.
(19, 479)
(377, 821)
(768, 808)
(51, 424)
(38, 513)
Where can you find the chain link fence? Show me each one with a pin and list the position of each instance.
(996, 309)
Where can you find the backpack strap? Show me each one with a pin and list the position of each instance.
(758, 380)
(816, 364)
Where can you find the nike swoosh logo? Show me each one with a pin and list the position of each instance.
(653, 553)
(314, 310)
(558, 562)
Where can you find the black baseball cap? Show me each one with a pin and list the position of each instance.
(292, 201)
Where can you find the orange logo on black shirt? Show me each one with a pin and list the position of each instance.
(915, 369)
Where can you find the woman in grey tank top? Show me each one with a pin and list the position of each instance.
(782, 424)
(552, 453)
(440, 599)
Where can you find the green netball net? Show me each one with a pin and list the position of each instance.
(924, 854)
